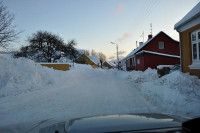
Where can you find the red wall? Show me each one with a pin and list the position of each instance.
(152, 61)
(171, 46)
(140, 66)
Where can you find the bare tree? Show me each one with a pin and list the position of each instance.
(7, 32)
(87, 52)
(93, 53)
(102, 58)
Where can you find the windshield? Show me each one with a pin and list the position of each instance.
(72, 59)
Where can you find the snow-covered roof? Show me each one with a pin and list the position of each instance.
(195, 12)
(156, 53)
(144, 44)
(94, 59)
(110, 63)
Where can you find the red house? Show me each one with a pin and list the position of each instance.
(159, 50)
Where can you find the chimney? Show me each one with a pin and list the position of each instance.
(140, 43)
(150, 36)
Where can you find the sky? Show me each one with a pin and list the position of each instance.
(96, 23)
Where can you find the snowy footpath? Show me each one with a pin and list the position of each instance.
(29, 92)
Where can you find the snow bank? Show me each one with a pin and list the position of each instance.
(22, 75)
(140, 77)
(176, 93)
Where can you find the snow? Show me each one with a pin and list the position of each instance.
(189, 16)
(30, 92)
(21, 75)
(156, 53)
(176, 92)
(112, 64)
(162, 66)
(94, 59)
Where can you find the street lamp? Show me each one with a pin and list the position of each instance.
(117, 54)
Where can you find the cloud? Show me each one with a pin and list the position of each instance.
(114, 58)
(120, 8)
(125, 36)
(120, 53)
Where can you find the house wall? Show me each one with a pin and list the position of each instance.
(152, 61)
(63, 67)
(186, 49)
(83, 59)
(140, 67)
(171, 46)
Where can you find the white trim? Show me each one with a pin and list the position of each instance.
(189, 25)
(169, 55)
(195, 63)
(194, 66)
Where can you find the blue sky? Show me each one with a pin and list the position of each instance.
(95, 23)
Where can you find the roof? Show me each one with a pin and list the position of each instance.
(156, 53)
(94, 59)
(195, 12)
(110, 63)
(143, 45)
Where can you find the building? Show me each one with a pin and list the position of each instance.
(108, 65)
(189, 32)
(90, 60)
(158, 50)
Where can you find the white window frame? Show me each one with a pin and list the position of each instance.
(161, 46)
(195, 62)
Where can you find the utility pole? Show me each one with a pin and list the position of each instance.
(117, 54)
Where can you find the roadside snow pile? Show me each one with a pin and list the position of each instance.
(146, 76)
(21, 75)
(175, 92)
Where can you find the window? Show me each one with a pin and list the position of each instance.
(138, 61)
(161, 45)
(195, 42)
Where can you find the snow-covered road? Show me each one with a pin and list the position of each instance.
(30, 92)
(88, 95)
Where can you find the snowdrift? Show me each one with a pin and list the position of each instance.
(176, 92)
(22, 75)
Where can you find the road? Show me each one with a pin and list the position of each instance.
(86, 94)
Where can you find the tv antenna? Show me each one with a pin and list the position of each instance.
(151, 28)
